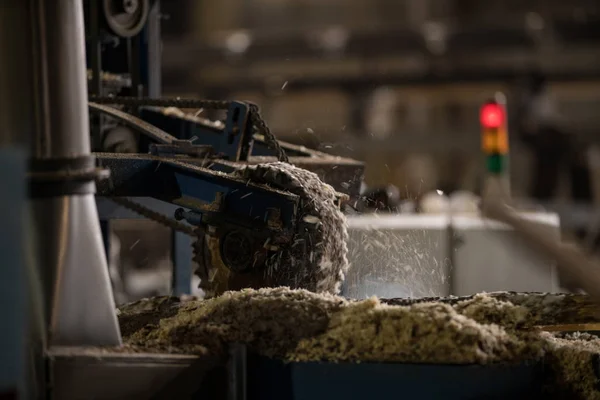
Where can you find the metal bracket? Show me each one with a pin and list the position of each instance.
(238, 130)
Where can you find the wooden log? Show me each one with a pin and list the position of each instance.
(545, 309)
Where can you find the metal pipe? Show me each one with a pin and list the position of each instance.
(80, 309)
(62, 34)
(154, 51)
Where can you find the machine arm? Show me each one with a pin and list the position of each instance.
(243, 138)
(255, 224)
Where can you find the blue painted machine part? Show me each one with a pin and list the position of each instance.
(233, 142)
(181, 250)
(181, 255)
(236, 141)
(272, 380)
(194, 188)
(108, 209)
(210, 197)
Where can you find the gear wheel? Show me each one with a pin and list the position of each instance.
(315, 260)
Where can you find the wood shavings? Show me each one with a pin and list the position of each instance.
(426, 333)
(541, 308)
(325, 231)
(298, 325)
(270, 321)
(571, 360)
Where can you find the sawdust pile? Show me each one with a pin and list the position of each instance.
(270, 321)
(427, 333)
(573, 360)
(322, 222)
(297, 325)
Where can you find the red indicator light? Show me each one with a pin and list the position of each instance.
(492, 115)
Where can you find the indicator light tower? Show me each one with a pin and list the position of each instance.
(494, 143)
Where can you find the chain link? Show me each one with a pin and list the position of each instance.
(255, 116)
(263, 128)
(155, 216)
(162, 102)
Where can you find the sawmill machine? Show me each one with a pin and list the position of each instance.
(233, 188)
(124, 71)
(156, 151)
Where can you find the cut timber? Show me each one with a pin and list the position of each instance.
(544, 309)
(134, 316)
(571, 328)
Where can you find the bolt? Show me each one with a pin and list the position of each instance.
(130, 6)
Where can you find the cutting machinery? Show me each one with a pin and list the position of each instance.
(247, 215)
(245, 212)
(257, 216)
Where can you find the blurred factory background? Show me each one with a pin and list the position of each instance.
(396, 83)
(399, 84)
(419, 96)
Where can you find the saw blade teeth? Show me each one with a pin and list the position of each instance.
(317, 259)
(199, 258)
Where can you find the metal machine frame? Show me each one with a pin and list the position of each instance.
(208, 148)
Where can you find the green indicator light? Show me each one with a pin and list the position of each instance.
(495, 163)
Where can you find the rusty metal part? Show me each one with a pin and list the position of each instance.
(148, 129)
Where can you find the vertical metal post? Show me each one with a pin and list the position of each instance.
(133, 61)
(501, 99)
(181, 256)
(95, 51)
(78, 294)
(236, 372)
(154, 51)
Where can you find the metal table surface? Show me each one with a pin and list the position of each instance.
(84, 373)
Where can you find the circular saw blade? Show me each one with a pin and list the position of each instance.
(316, 258)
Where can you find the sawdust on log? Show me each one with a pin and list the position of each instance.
(573, 360)
(270, 321)
(298, 325)
(541, 308)
(323, 229)
(427, 333)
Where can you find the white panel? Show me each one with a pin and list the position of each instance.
(490, 257)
